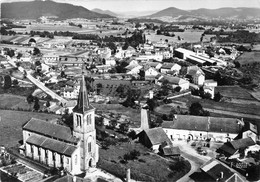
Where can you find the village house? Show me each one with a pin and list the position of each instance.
(168, 67)
(174, 82)
(188, 127)
(59, 146)
(153, 138)
(214, 170)
(150, 73)
(238, 148)
(196, 75)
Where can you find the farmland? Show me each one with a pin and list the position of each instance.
(87, 29)
(187, 36)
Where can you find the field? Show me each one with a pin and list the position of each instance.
(148, 166)
(187, 36)
(239, 108)
(87, 29)
(11, 123)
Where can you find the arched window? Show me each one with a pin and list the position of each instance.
(89, 147)
(78, 120)
(76, 158)
(89, 119)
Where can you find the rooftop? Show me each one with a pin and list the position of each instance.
(50, 130)
(52, 144)
(202, 123)
(156, 135)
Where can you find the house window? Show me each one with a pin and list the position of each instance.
(31, 148)
(89, 147)
(68, 161)
(78, 120)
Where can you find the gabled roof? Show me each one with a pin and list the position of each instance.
(213, 169)
(52, 144)
(167, 65)
(173, 80)
(203, 123)
(170, 150)
(231, 147)
(50, 130)
(156, 135)
(242, 143)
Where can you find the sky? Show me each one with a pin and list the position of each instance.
(152, 5)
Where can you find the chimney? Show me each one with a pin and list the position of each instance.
(144, 119)
(128, 175)
(74, 178)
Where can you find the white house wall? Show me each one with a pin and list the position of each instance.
(174, 134)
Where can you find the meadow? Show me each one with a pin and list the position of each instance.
(11, 123)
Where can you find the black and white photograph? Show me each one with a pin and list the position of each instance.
(130, 91)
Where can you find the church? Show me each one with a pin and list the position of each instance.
(60, 146)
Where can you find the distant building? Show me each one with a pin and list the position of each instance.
(248, 59)
(175, 82)
(196, 75)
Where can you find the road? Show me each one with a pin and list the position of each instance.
(193, 157)
(38, 83)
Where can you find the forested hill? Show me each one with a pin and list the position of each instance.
(36, 9)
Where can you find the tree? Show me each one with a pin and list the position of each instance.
(207, 95)
(112, 124)
(142, 74)
(36, 51)
(124, 127)
(132, 134)
(151, 104)
(7, 82)
(30, 99)
(217, 97)
(15, 82)
(178, 89)
(79, 25)
(48, 104)
(36, 104)
(196, 109)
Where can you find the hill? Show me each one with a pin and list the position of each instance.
(173, 12)
(236, 13)
(104, 12)
(36, 9)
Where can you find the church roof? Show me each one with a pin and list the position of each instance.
(50, 130)
(83, 101)
(52, 144)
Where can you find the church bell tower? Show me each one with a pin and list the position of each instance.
(84, 129)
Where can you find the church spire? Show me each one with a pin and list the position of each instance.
(83, 101)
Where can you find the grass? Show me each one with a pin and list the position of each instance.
(16, 102)
(148, 167)
(11, 123)
(134, 114)
(188, 36)
(233, 107)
